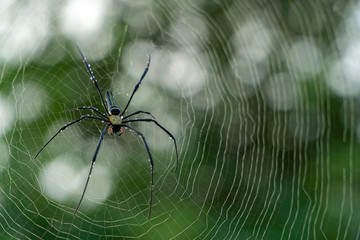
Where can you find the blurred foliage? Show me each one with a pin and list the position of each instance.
(262, 97)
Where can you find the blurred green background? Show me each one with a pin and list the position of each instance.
(262, 96)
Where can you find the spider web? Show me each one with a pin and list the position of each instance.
(263, 99)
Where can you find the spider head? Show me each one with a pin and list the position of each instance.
(112, 105)
(115, 129)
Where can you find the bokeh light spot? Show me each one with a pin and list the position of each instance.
(24, 29)
(344, 74)
(7, 115)
(281, 92)
(305, 57)
(29, 100)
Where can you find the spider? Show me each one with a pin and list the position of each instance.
(115, 120)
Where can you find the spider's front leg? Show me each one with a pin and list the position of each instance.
(67, 125)
(165, 130)
(138, 112)
(151, 163)
(92, 166)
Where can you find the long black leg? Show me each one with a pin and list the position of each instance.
(151, 163)
(137, 85)
(89, 108)
(67, 125)
(164, 129)
(92, 165)
(92, 77)
(137, 112)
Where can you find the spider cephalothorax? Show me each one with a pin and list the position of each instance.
(115, 121)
